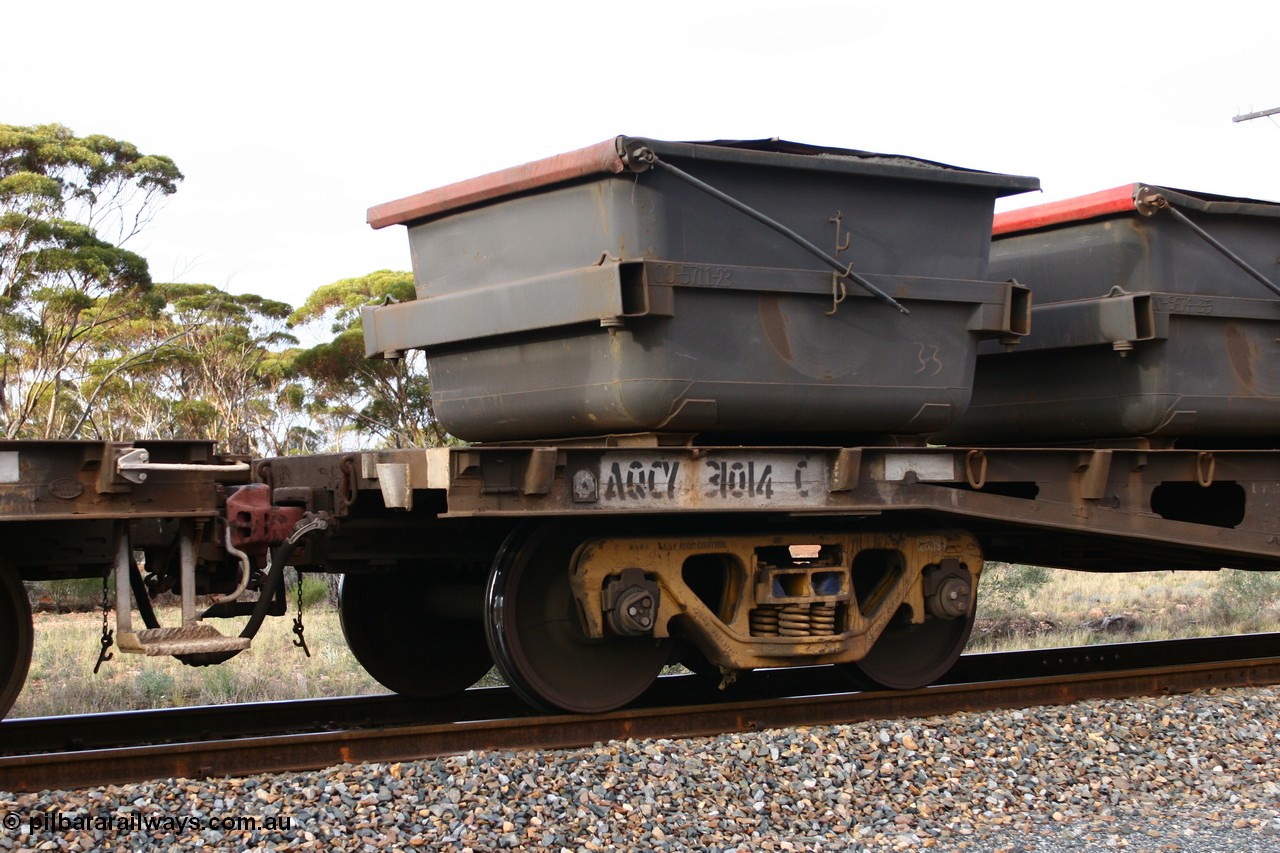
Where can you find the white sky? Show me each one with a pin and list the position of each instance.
(290, 119)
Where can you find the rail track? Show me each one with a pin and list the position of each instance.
(80, 751)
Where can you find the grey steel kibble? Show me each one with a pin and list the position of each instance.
(1187, 773)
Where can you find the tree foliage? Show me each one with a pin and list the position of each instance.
(389, 400)
(67, 206)
(1005, 588)
(92, 348)
(213, 365)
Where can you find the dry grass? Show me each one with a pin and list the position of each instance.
(1161, 605)
(61, 680)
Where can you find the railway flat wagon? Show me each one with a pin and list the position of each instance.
(72, 509)
(709, 385)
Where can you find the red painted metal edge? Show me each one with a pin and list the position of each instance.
(1115, 200)
(594, 159)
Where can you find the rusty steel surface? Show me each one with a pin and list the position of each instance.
(79, 480)
(32, 735)
(743, 632)
(600, 158)
(255, 523)
(1152, 508)
(1195, 366)
(1102, 203)
(311, 751)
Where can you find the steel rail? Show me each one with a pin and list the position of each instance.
(293, 752)
(284, 753)
(28, 736)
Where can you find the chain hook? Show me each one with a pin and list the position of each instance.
(108, 635)
(298, 628)
(838, 293)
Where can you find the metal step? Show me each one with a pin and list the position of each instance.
(186, 640)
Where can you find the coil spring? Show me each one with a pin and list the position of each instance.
(793, 620)
(822, 619)
(764, 620)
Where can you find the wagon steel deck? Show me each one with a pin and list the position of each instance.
(1071, 507)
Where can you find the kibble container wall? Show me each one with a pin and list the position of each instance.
(756, 357)
(1211, 367)
(899, 227)
(1138, 253)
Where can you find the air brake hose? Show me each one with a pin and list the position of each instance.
(270, 588)
(279, 559)
(141, 598)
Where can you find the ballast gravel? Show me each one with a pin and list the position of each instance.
(1183, 773)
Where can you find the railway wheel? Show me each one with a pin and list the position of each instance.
(16, 633)
(909, 656)
(536, 637)
(396, 626)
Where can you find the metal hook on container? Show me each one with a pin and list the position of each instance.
(640, 157)
(838, 293)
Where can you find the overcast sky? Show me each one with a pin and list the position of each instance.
(289, 120)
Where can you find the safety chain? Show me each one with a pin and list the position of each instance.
(297, 622)
(107, 634)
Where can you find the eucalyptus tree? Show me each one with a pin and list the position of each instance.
(215, 367)
(387, 401)
(68, 205)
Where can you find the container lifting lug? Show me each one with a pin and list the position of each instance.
(1148, 202)
(635, 155)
